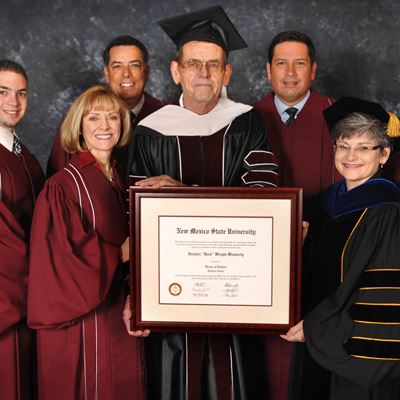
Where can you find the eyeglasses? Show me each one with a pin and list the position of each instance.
(362, 149)
(194, 65)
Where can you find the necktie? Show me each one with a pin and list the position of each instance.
(16, 148)
(133, 119)
(292, 111)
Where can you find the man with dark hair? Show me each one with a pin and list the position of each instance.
(126, 71)
(299, 137)
(292, 114)
(125, 41)
(12, 66)
(206, 140)
(21, 179)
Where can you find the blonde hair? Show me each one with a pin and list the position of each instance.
(97, 97)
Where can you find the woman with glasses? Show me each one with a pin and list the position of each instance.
(351, 285)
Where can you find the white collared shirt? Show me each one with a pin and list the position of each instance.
(136, 110)
(6, 138)
(282, 107)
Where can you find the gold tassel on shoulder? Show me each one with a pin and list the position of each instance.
(393, 128)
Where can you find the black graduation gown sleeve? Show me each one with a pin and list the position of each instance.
(248, 159)
(363, 352)
(154, 154)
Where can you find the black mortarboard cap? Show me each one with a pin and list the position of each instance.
(347, 105)
(206, 25)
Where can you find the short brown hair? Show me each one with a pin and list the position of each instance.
(9, 65)
(99, 97)
(356, 124)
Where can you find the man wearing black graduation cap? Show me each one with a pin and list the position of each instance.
(206, 140)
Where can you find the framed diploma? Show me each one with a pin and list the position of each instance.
(215, 259)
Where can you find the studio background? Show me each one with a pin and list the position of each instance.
(60, 44)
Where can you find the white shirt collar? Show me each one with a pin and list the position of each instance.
(282, 107)
(136, 110)
(6, 138)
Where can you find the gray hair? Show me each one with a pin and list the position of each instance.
(359, 123)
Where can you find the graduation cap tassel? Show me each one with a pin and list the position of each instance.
(393, 128)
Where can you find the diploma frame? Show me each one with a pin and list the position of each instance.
(149, 207)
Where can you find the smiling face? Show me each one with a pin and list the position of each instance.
(291, 72)
(201, 88)
(358, 158)
(126, 74)
(13, 98)
(101, 130)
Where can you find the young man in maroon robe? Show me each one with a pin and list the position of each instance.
(21, 179)
(208, 140)
(126, 70)
(297, 132)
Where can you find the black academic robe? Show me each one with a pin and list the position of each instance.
(356, 235)
(237, 157)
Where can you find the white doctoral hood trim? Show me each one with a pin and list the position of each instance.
(174, 120)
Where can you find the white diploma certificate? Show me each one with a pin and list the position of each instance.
(215, 260)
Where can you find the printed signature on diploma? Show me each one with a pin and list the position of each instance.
(200, 289)
(231, 290)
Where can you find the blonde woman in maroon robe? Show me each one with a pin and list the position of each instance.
(20, 181)
(79, 236)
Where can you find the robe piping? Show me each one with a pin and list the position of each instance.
(88, 195)
(223, 154)
(95, 313)
(84, 357)
(180, 158)
(347, 242)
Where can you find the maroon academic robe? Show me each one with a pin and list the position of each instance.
(305, 158)
(59, 158)
(21, 179)
(76, 295)
(303, 148)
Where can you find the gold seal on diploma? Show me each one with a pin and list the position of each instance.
(175, 289)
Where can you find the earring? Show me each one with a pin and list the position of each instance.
(381, 165)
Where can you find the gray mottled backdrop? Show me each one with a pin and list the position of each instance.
(60, 43)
